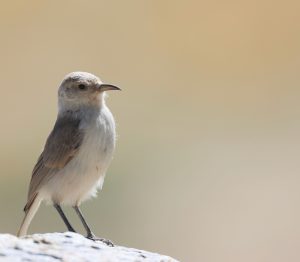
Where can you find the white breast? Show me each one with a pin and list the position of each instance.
(85, 173)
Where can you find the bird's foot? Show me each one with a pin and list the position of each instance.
(105, 241)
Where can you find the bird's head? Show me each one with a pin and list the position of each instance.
(82, 89)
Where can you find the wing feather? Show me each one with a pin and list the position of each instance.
(61, 146)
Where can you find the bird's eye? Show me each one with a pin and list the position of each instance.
(82, 87)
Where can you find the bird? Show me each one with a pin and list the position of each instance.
(77, 153)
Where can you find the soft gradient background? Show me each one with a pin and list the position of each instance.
(207, 161)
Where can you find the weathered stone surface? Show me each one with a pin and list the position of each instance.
(69, 247)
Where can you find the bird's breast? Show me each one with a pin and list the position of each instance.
(98, 143)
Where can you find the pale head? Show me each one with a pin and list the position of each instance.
(82, 89)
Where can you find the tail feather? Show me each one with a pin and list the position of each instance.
(30, 210)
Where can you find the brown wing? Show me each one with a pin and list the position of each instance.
(61, 146)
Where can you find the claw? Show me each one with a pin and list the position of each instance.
(105, 241)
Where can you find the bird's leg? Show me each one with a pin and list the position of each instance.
(90, 234)
(64, 218)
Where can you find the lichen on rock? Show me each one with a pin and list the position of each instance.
(69, 247)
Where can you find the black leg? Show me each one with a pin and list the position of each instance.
(90, 234)
(86, 226)
(64, 218)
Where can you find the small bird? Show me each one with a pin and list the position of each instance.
(77, 153)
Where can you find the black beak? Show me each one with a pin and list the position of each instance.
(106, 87)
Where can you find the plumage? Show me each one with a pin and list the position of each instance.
(78, 150)
(61, 146)
(80, 177)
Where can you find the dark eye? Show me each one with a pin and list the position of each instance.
(82, 87)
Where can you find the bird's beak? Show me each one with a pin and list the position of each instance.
(106, 87)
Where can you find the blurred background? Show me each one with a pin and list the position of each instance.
(207, 161)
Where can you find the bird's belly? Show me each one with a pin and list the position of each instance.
(85, 173)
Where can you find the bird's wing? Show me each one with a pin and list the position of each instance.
(63, 143)
(61, 146)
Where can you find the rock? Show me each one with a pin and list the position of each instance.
(69, 247)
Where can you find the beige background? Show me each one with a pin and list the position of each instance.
(207, 160)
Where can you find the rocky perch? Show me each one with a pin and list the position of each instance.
(69, 247)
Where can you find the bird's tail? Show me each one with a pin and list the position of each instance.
(30, 210)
